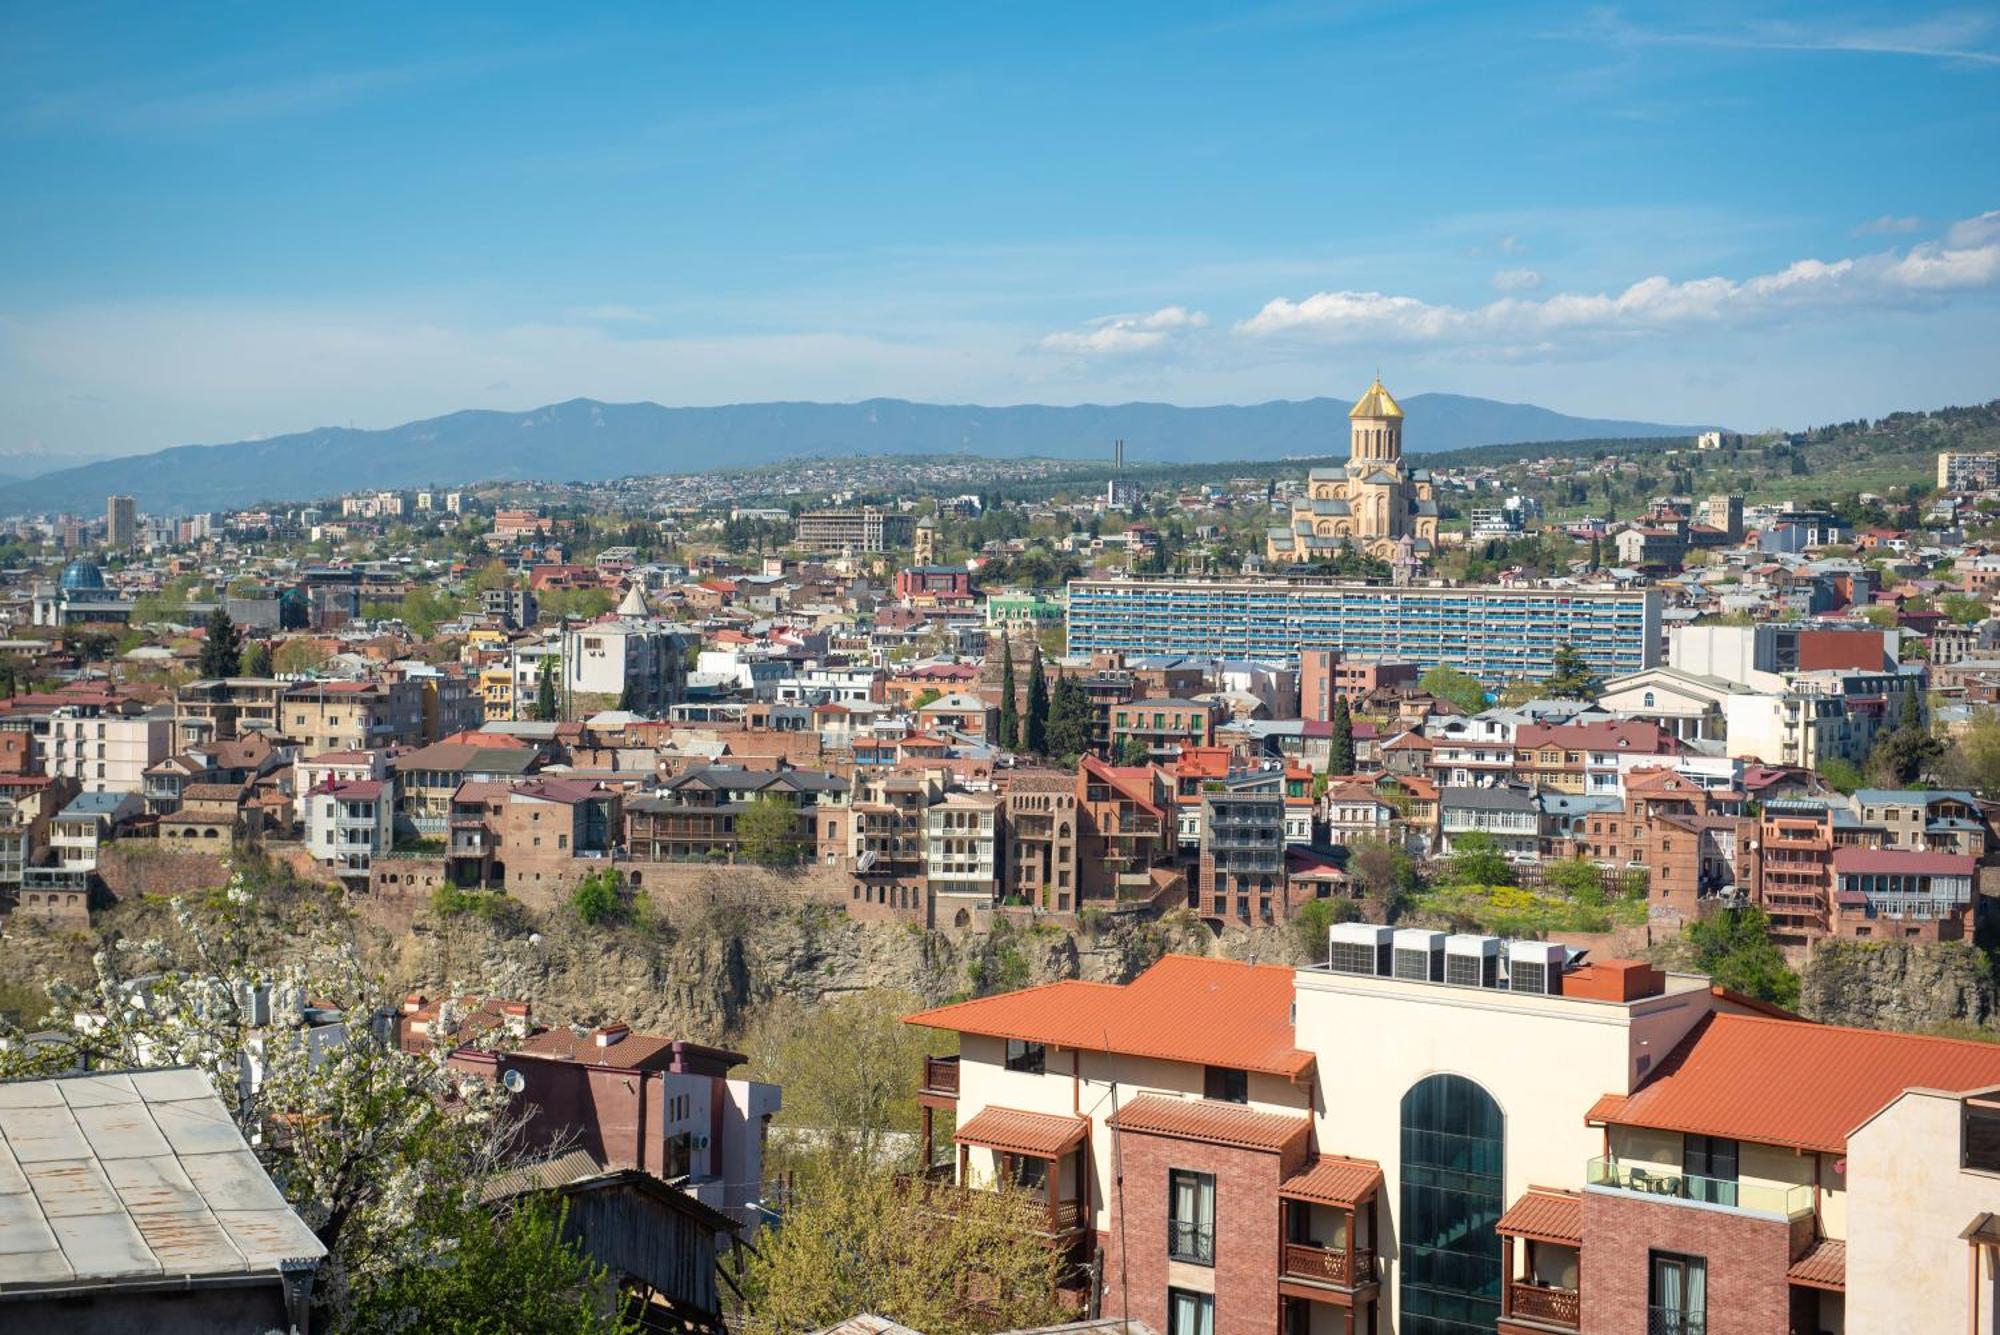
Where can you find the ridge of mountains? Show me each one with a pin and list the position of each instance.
(588, 441)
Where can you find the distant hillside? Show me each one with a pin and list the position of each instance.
(584, 440)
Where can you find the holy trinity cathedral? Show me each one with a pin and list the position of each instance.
(1373, 505)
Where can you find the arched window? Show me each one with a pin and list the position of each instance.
(1649, 699)
(1454, 1138)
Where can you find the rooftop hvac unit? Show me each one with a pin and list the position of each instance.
(1419, 955)
(1536, 966)
(1472, 961)
(1358, 947)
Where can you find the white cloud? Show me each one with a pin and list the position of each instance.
(1952, 37)
(1967, 259)
(1113, 335)
(1888, 225)
(1516, 280)
(1511, 245)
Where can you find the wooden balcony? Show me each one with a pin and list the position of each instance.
(940, 1077)
(1551, 1307)
(1334, 1266)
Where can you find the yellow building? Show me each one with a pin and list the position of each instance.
(1374, 505)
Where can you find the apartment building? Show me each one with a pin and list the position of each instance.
(1584, 757)
(1361, 1145)
(1042, 826)
(693, 816)
(349, 823)
(223, 708)
(963, 836)
(1327, 675)
(1509, 813)
(624, 665)
(1959, 471)
(1162, 727)
(106, 749)
(352, 715)
(870, 530)
(1243, 857)
(1496, 634)
(1893, 894)
(1934, 820)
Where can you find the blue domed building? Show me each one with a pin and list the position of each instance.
(80, 594)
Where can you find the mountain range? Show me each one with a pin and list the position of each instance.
(585, 440)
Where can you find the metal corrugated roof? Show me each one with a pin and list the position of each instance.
(1038, 1135)
(136, 1175)
(1211, 1120)
(1785, 1082)
(1334, 1180)
(1545, 1215)
(1185, 1008)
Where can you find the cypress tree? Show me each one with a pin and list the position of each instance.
(1010, 708)
(221, 646)
(1340, 756)
(1035, 724)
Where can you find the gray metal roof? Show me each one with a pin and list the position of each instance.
(133, 1177)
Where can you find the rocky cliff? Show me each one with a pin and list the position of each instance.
(1893, 985)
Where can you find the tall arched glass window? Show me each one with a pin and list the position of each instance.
(1453, 1148)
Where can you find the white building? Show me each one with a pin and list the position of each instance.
(350, 822)
(106, 753)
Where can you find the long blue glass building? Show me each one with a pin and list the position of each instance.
(1496, 634)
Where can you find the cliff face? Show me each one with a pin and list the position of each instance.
(1891, 985)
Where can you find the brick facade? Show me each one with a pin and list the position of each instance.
(1747, 1258)
(1247, 1234)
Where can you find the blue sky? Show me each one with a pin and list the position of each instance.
(237, 220)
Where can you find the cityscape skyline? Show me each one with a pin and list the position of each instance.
(1680, 215)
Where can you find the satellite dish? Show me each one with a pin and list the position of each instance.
(514, 1081)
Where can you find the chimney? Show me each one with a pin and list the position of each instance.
(609, 1034)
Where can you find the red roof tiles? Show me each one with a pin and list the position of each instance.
(1212, 1121)
(1805, 1086)
(1037, 1135)
(1184, 1008)
(1334, 1179)
(1545, 1215)
(1824, 1266)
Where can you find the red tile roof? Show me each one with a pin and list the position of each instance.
(1545, 1215)
(1212, 1121)
(1038, 1135)
(1333, 1179)
(1900, 861)
(1185, 1008)
(1804, 1086)
(1824, 1266)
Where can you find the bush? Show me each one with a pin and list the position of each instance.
(596, 900)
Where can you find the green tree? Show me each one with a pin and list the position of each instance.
(221, 646)
(1132, 751)
(767, 833)
(1841, 775)
(1010, 709)
(857, 1238)
(596, 899)
(1573, 678)
(1035, 723)
(1310, 921)
(300, 655)
(1974, 759)
(1907, 754)
(1460, 688)
(1069, 731)
(544, 709)
(510, 1271)
(1476, 859)
(1340, 753)
(850, 1067)
(1963, 608)
(257, 659)
(1576, 879)
(1385, 874)
(1734, 948)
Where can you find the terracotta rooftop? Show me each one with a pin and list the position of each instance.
(1804, 1086)
(1038, 1135)
(1211, 1120)
(1545, 1215)
(1184, 1008)
(1824, 1266)
(1333, 1179)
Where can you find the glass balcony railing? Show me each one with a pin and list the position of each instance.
(1768, 1198)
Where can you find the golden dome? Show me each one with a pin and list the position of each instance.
(1376, 403)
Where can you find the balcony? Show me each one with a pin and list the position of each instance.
(1674, 1321)
(941, 1076)
(1191, 1242)
(1549, 1306)
(1337, 1266)
(1759, 1198)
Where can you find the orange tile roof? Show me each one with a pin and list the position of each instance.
(1545, 1215)
(1038, 1135)
(1333, 1179)
(1804, 1086)
(1211, 1120)
(1605, 1109)
(1185, 1008)
(1824, 1266)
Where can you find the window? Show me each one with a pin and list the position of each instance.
(1025, 1056)
(1710, 1165)
(1453, 1143)
(1190, 1313)
(1677, 1294)
(1191, 1216)
(1980, 1143)
(1227, 1084)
